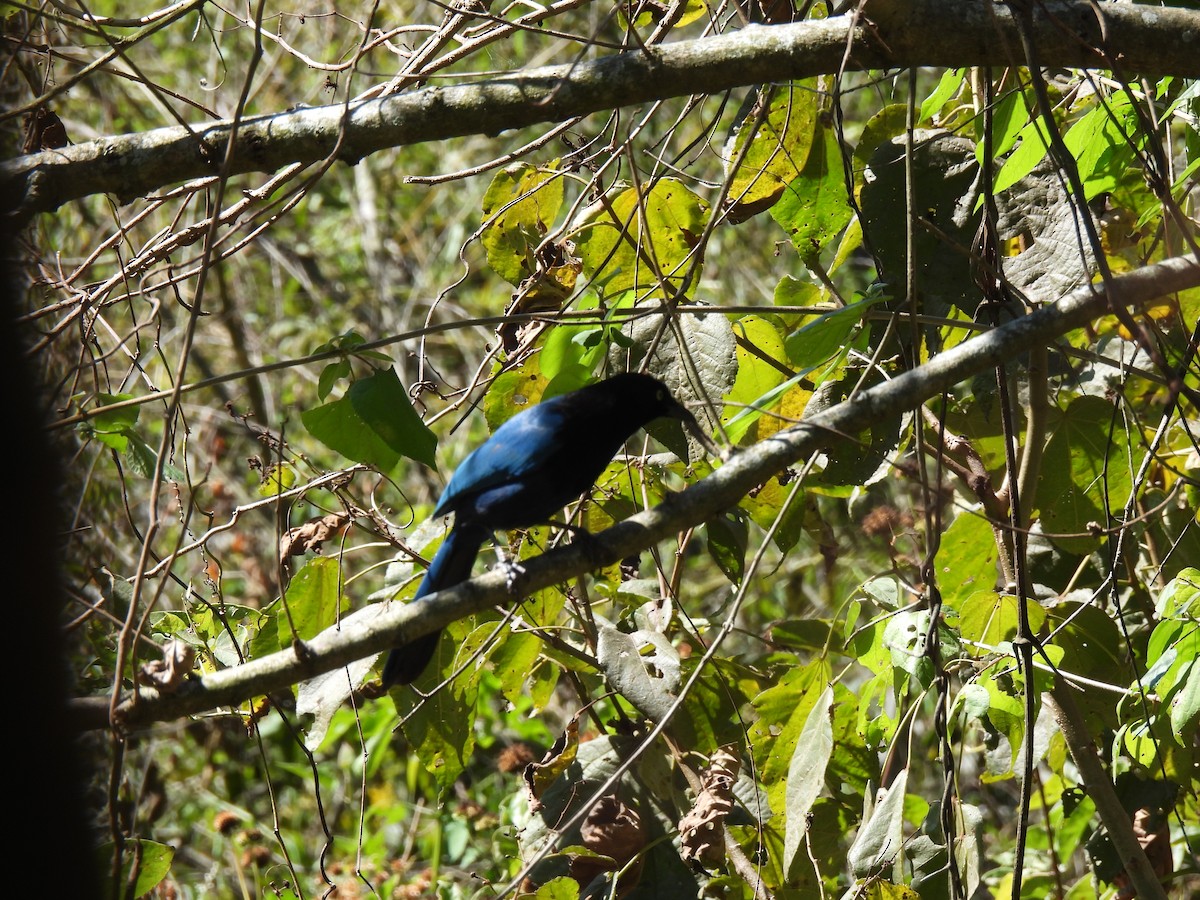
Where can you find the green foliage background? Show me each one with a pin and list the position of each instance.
(357, 330)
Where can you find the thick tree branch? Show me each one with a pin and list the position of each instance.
(891, 34)
(337, 647)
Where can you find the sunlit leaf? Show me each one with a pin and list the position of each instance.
(642, 243)
(1032, 143)
(783, 710)
(373, 423)
(524, 201)
(761, 367)
(806, 772)
(822, 337)
(153, 861)
(990, 618)
(314, 599)
(775, 135)
(947, 87)
(966, 558)
(813, 209)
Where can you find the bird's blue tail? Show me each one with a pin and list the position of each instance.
(451, 564)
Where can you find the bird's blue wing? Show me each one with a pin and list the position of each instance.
(518, 447)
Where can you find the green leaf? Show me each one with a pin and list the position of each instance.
(512, 392)
(806, 772)
(1005, 687)
(142, 459)
(113, 427)
(568, 346)
(349, 343)
(1098, 144)
(966, 558)
(571, 378)
(881, 837)
(947, 87)
(1091, 645)
(814, 209)
(374, 423)
(441, 727)
(315, 600)
(761, 368)
(827, 334)
(783, 710)
(1087, 461)
(904, 637)
(561, 887)
(331, 375)
(764, 504)
(649, 16)
(1090, 641)
(1153, 743)
(277, 479)
(1032, 149)
(1010, 116)
(886, 590)
(1181, 596)
(1185, 704)
(803, 634)
(854, 764)
(525, 200)
(852, 240)
(709, 716)
(989, 618)
(886, 124)
(1174, 645)
(515, 654)
(153, 861)
(728, 537)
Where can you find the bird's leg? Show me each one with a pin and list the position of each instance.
(513, 570)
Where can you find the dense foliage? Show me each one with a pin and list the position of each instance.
(260, 384)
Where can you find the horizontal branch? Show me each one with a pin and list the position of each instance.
(892, 34)
(397, 623)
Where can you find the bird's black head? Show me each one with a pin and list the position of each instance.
(643, 398)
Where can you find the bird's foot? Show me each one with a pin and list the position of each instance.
(513, 570)
(513, 573)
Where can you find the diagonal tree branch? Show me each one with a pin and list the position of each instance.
(337, 647)
(889, 34)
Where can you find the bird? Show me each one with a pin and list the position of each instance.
(527, 471)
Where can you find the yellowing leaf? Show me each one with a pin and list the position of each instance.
(628, 243)
(775, 137)
(524, 201)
